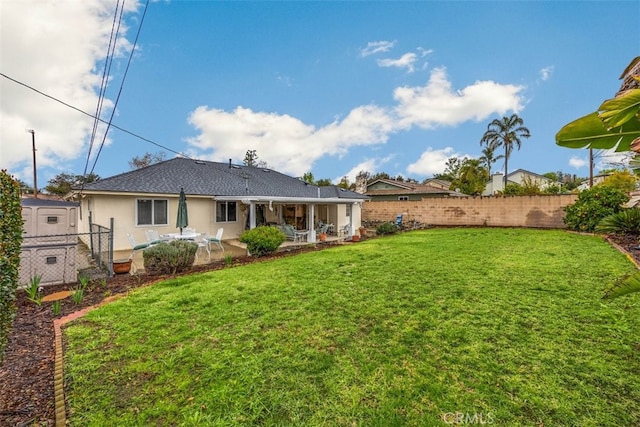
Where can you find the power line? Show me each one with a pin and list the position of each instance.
(124, 76)
(92, 116)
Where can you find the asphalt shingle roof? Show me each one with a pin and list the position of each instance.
(199, 177)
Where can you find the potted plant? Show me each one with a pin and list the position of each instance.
(322, 237)
(363, 231)
(121, 266)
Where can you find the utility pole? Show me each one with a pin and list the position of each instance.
(590, 167)
(35, 172)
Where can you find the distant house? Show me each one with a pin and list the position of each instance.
(597, 179)
(390, 189)
(234, 197)
(519, 177)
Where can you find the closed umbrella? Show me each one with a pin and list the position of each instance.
(183, 219)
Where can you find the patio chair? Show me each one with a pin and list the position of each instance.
(288, 231)
(135, 246)
(206, 241)
(153, 237)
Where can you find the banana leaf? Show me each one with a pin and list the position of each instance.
(590, 132)
(625, 285)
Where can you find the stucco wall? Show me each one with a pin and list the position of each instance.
(515, 211)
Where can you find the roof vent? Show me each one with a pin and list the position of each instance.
(198, 162)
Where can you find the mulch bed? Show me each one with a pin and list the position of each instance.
(26, 376)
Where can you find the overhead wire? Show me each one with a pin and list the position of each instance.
(113, 110)
(66, 104)
(106, 72)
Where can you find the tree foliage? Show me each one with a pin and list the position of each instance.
(472, 177)
(147, 159)
(507, 132)
(10, 247)
(251, 159)
(63, 183)
(622, 180)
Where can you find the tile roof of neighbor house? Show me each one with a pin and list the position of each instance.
(404, 188)
(200, 177)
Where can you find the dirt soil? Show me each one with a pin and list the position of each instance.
(26, 376)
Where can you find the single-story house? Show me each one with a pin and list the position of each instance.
(390, 189)
(219, 195)
(520, 177)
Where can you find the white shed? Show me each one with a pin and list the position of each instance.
(50, 241)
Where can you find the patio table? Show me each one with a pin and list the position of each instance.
(298, 235)
(183, 236)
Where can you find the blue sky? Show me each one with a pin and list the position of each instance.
(327, 87)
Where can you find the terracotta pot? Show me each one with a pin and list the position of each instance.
(363, 231)
(355, 238)
(121, 266)
(322, 236)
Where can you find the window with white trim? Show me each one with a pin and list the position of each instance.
(226, 211)
(152, 212)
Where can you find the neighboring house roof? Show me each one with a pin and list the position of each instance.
(528, 173)
(432, 186)
(46, 202)
(205, 178)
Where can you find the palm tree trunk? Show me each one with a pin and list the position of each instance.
(506, 160)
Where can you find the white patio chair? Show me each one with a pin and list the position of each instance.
(216, 240)
(135, 246)
(153, 237)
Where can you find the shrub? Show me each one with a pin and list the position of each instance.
(10, 243)
(625, 222)
(592, 206)
(262, 240)
(169, 258)
(386, 228)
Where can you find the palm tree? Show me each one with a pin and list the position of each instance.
(506, 132)
(488, 158)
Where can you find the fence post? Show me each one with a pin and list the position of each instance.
(93, 254)
(110, 251)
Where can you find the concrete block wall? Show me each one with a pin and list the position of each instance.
(494, 211)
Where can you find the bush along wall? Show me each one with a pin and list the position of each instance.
(10, 243)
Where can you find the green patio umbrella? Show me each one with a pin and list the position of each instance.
(183, 219)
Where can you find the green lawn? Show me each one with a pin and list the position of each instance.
(501, 326)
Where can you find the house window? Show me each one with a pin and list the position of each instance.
(152, 212)
(403, 198)
(348, 214)
(225, 211)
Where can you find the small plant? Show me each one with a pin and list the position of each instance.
(262, 240)
(228, 260)
(77, 295)
(84, 281)
(386, 228)
(624, 222)
(34, 290)
(56, 307)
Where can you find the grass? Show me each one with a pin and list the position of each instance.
(504, 326)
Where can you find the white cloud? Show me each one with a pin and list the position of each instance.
(546, 72)
(377, 47)
(285, 142)
(370, 165)
(433, 161)
(405, 61)
(53, 47)
(577, 162)
(292, 146)
(437, 104)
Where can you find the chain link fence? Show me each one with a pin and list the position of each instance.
(61, 258)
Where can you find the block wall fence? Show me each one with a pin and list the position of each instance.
(493, 211)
